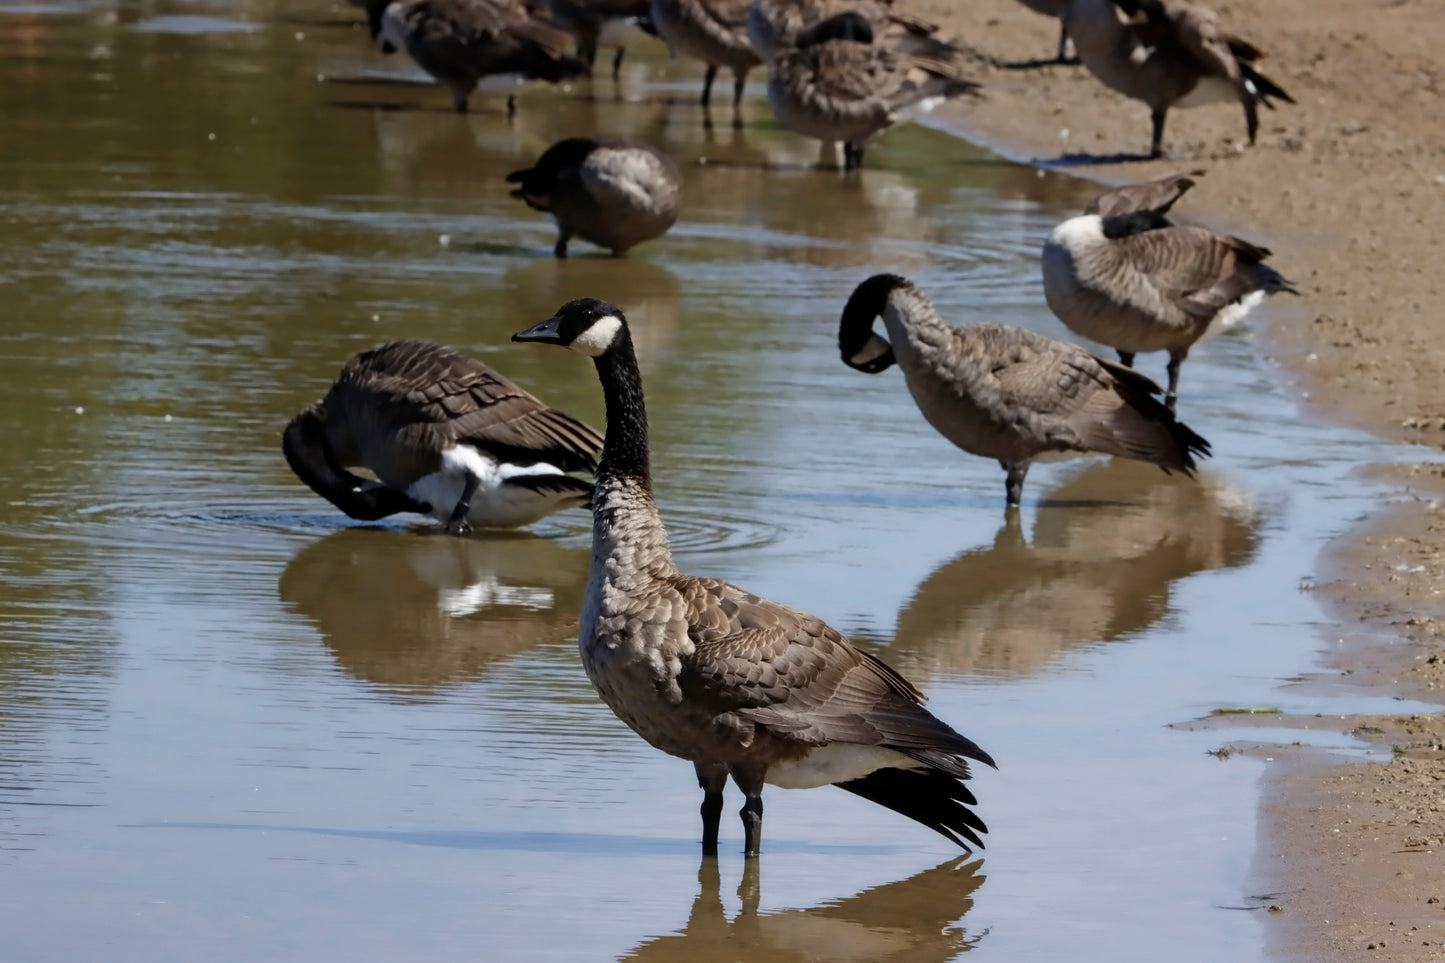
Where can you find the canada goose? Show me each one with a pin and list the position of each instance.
(446, 435)
(461, 41)
(1178, 59)
(1007, 393)
(614, 193)
(1122, 274)
(837, 84)
(713, 31)
(774, 25)
(1052, 8)
(737, 684)
(595, 22)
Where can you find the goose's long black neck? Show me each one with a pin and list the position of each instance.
(625, 453)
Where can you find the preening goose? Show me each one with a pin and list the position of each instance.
(774, 25)
(1124, 275)
(461, 41)
(713, 31)
(614, 193)
(1172, 58)
(839, 84)
(1007, 393)
(1052, 8)
(446, 436)
(737, 684)
(597, 22)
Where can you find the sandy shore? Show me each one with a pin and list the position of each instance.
(1348, 188)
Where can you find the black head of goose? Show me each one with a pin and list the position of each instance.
(1124, 274)
(615, 193)
(733, 682)
(446, 436)
(1008, 393)
(840, 83)
(774, 25)
(1178, 56)
(459, 42)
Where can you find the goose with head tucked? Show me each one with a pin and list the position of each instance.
(1007, 393)
(615, 193)
(460, 42)
(839, 83)
(774, 25)
(1168, 57)
(445, 436)
(739, 685)
(1123, 274)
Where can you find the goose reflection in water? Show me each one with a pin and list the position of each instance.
(417, 612)
(1107, 545)
(916, 920)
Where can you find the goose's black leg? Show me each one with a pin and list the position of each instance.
(1126, 358)
(750, 781)
(1176, 358)
(511, 106)
(1014, 483)
(852, 156)
(740, 80)
(457, 523)
(707, 79)
(617, 63)
(1156, 144)
(712, 779)
(559, 250)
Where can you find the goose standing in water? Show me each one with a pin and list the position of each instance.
(1124, 275)
(1171, 59)
(459, 42)
(838, 84)
(774, 25)
(713, 31)
(737, 684)
(1007, 393)
(598, 22)
(446, 435)
(614, 193)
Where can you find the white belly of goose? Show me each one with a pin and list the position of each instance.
(834, 763)
(1209, 90)
(496, 503)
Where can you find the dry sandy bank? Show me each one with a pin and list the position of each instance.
(1348, 188)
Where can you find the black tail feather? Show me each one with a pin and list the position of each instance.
(1264, 88)
(928, 796)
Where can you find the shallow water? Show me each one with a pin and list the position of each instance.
(235, 725)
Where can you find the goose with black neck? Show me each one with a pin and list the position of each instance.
(737, 684)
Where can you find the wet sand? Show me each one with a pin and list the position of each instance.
(1348, 188)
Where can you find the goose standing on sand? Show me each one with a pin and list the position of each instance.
(1007, 393)
(1170, 59)
(1124, 275)
(459, 42)
(737, 684)
(1052, 8)
(446, 435)
(838, 84)
(713, 31)
(598, 22)
(774, 25)
(614, 193)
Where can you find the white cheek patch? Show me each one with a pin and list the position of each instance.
(598, 337)
(874, 349)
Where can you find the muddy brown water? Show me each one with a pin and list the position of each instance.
(235, 726)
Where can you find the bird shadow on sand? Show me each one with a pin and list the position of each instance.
(1089, 160)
